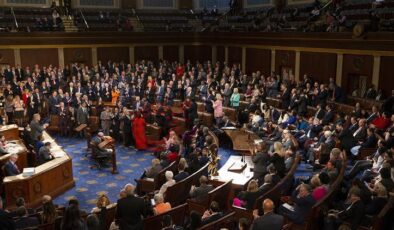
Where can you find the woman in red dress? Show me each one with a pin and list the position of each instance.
(139, 132)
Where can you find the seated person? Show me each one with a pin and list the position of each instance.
(3, 145)
(181, 172)
(101, 152)
(319, 190)
(212, 214)
(48, 214)
(102, 202)
(25, 221)
(300, 205)
(247, 198)
(353, 214)
(168, 225)
(370, 142)
(170, 182)
(20, 202)
(201, 192)
(269, 220)
(160, 207)
(153, 170)
(44, 154)
(11, 169)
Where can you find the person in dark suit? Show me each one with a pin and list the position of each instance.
(44, 154)
(329, 116)
(303, 202)
(302, 104)
(345, 136)
(286, 97)
(267, 185)
(370, 142)
(212, 214)
(201, 192)
(269, 220)
(319, 112)
(36, 128)
(6, 221)
(127, 127)
(353, 214)
(25, 221)
(11, 169)
(82, 114)
(260, 158)
(181, 172)
(130, 210)
(361, 133)
(63, 119)
(53, 102)
(190, 111)
(153, 170)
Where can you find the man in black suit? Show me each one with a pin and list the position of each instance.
(267, 185)
(319, 113)
(353, 214)
(200, 193)
(303, 202)
(130, 210)
(269, 220)
(25, 221)
(345, 136)
(212, 214)
(286, 97)
(260, 158)
(6, 221)
(329, 116)
(11, 169)
(181, 172)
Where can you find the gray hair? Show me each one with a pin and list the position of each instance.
(129, 189)
(169, 175)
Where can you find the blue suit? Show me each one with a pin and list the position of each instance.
(10, 169)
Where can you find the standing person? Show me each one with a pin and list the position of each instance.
(63, 119)
(269, 220)
(139, 131)
(127, 127)
(9, 109)
(218, 109)
(36, 129)
(82, 115)
(130, 210)
(19, 110)
(106, 117)
(234, 99)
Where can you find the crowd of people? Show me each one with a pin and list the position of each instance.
(146, 92)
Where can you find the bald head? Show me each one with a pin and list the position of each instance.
(268, 205)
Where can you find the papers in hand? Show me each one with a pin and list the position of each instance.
(258, 141)
(57, 154)
(28, 172)
(228, 128)
(288, 206)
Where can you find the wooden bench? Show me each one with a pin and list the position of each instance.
(148, 185)
(219, 194)
(364, 103)
(206, 118)
(153, 132)
(179, 125)
(200, 106)
(231, 113)
(275, 102)
(54, 122)
(177, 214)
(226, 222)
(179, 192)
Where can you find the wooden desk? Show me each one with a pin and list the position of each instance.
(239, 179)
(52, 178)
(10, 132)
(22, 155)
(241, 139)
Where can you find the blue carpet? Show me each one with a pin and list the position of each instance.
(90, 183)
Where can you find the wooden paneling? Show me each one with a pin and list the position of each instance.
(321, 66)
(185, 4)
(198, 53)
(258, 59)
(220, 53)
(171, 53)
(80, 55)
(234, 55)
(114, 54)
(128, 4)
(386, 82)
(7, 57)
(284, 59)
(353, 66)
(42, 57)
(146, 53)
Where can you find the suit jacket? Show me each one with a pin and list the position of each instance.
(82, 116)
(353, 214)
(360, 135)
(319, 114)
(200, 193)
(180, 176)
(129, 212)
(286, 97)
(10, 169)
(26, 222)
(370, 142)
(211, 218)
(302, 207)
(153, 171)
(328, 117)
(346, 138)
(44, 155)
(269, 220)
(260, 162)
(6, 221)
(36, 129)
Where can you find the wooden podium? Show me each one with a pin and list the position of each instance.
(52, 178)
(242, 139)
(109, 143)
